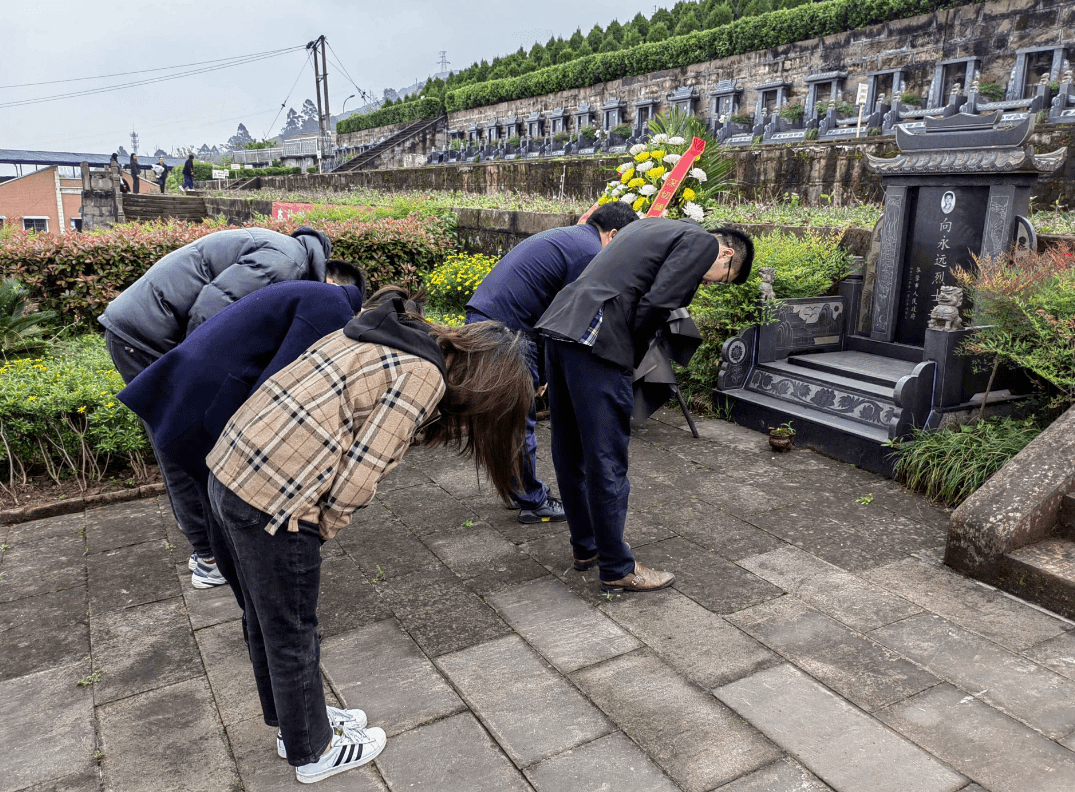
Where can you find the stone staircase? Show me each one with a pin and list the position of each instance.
(369, 156)
(159, 206)
(1044, 572)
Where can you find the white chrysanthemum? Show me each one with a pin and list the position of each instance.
(672, 159)
(699, 174)
(630, 198)
(693, 211)
(637, 148)
(625, 167)
(676, 141)
(644, 166)
(641, 215)
(618, 189)
(613, 184)
(647, 190)
(661, 138)
(665, 175)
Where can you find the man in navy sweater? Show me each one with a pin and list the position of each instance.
(517, 292)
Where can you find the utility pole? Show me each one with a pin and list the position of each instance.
(324, 115)
(444, 60)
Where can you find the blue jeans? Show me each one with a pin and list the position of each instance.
(534, 491)
(280, 577)
(590, 400)
(184, 492)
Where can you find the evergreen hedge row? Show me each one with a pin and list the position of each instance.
(747, 34)
(404, 112)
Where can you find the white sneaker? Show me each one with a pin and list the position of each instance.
(350, 747)
(336, 718)
(192, 562)
(206, 575)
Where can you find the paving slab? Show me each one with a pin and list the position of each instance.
(1011, 683)
(707, 578)
(567, 632)
(384, 547)
(481, 555)
(611, 762)
(829, 589)
(694, 641)
(402, 477)
(451, 754)
(131, 575)
(860, 670)
(716, 530)
(968, 604)
(87, 781)
(697, 740)
(380, 670)
(427, 508)
(142, 648)
(42, 566)
(177, 715)
(786, 775)
(440, 612)
(997, 752)
(43, 631)
(47, 530)
(840, 744)
(529, 709)
(1057, 654)
(43, 726)
(206, 607)
(253, 745)
(231, 676)
(347, 600)
(122, 524)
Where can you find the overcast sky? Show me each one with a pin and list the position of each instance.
(381, 45)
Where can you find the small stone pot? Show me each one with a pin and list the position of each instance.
(781, 442)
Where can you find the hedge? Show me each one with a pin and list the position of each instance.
(78, 275)
(747, 34)
(404, 112)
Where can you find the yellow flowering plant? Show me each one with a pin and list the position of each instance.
(640, 178)
(453, 283)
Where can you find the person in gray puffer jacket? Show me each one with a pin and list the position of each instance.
(177, 294)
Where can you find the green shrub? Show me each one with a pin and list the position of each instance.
(588, 134)
(623, 130)
(78, 275)
(20, 331)
(993, 91)
(947, 466)
(804, 267)
(453, 283)
(312, 169)
(59, 415)
(910, 99)
(514, 140)
(741, 118)
(792, 112)
(404, 112)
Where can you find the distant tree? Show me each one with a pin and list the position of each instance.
(546, 60)
(584, 49)
(609, 44)
(537, 52)
(657, 32)
(632, 38)
(757, 7)
(292, 125)
(662, 15)
(614, 29)
(688, 22)
(595, 37)
(720, 15)
(566, 55)
(309, 116)
(241, 137)
(160, 153)
(576, 39)
(204, 150)
(641, 24)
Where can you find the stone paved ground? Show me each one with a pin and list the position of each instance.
(812, 642)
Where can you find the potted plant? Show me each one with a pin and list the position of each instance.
(782, 438)
(792, 112)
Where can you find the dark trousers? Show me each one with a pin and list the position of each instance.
(534, 491)
(135, 181)
(161, 181)
(590, 400)
(183, 491)
(280, 577)
(188, 182)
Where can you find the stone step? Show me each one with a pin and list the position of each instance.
(1043, 573)
(1065, 517)
(865, 387)
(857, 365)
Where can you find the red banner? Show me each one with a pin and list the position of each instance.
(675, 178)
(283, 211)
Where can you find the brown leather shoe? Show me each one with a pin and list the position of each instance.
(582, 564)
(642, 579)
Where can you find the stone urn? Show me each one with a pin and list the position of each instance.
(781, 438)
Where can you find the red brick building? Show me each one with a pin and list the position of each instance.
(42, 201)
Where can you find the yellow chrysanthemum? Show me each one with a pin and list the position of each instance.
(627, 176)
(638, 204)
(688, 194)
(636, 182)
(642, 156)
(658, 155)
(656, 173)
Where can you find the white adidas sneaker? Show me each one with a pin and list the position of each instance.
(336, 719)
(350, 747)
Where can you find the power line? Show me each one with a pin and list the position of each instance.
(120, 86)
(145, 71)
(339, 62)
(283, 104)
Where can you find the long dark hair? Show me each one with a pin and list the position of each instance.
(489, 393)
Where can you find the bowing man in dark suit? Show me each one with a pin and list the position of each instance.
(597, 330)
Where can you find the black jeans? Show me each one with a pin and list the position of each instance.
(280, 577)
(183, 492)
(590, 403)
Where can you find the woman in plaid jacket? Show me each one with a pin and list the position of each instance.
(308, 448)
